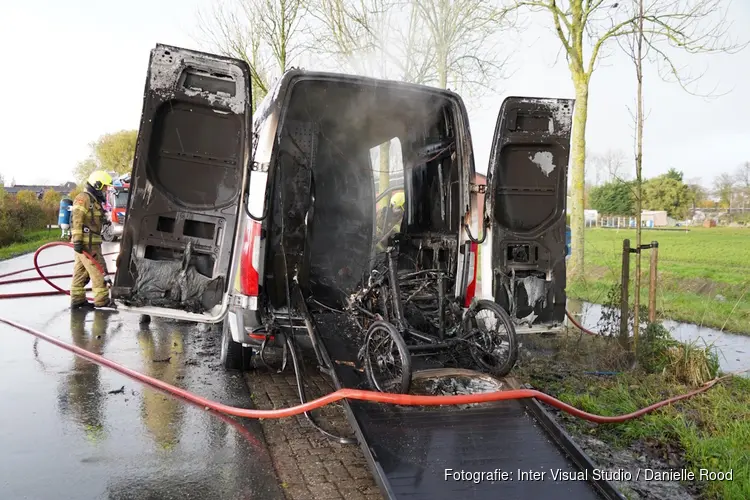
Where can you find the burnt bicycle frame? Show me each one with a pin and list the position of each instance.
(390, 282)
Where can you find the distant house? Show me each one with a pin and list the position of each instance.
(63, 189)
(590, 217)
(654, 218)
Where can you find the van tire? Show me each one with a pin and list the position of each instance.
(108, 234)
(234, 356)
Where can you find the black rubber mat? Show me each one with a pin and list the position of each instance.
(415, 451)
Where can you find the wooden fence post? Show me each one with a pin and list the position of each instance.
(652, 282)
(624, 293)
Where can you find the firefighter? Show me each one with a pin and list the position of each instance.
(389, 219)
(87, 221)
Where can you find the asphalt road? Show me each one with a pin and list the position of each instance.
(70, 429)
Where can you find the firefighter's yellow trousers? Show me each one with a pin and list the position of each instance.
(83, 270)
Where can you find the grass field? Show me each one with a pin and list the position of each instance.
(709, 431)
(703, 275)
(32, 241)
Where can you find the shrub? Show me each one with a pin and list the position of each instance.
(20, 216)
(10, 229)
(658, 352)
(51, 199)
(26, 197)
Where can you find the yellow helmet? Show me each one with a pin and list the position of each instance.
(398, 200)
(99, 179)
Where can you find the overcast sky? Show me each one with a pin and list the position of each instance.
(75, 70)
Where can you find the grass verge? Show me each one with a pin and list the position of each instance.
(703, 275)
(710, 431)
(32, 241)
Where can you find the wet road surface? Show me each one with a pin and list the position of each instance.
(70, 429)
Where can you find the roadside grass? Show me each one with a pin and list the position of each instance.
(710, 431)
(703, 275)
(32, 241)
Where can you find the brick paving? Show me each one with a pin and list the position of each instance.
(309, 465)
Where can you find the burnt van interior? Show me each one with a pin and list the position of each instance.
(323, 233)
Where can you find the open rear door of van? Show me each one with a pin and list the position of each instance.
(177, 256)
(526, 204)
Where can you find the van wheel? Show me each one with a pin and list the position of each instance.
(234, 356)
(108, 234)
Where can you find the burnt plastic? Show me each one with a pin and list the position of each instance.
(526, 201)
(188, 173)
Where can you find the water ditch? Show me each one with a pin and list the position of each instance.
(733, 350)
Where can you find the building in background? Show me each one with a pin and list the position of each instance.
(590, 218)
(654, 218)
(63, 189)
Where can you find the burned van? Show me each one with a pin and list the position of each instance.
(247, 221)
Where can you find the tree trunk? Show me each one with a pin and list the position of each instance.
(442, 75)
(639, 181)
(441, 57)
(577, 172)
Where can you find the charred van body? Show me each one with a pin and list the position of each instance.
(249, 224)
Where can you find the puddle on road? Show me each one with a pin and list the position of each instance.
(733, 350)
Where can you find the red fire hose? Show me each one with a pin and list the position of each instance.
(47, 279)
(355, 394)
(578, 325)
(46, 265)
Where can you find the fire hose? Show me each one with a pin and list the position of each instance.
(578, 325)
(57, 290)
(341, 394)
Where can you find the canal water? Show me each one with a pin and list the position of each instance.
(733, 350)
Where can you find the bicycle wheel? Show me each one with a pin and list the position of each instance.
(387, 360)
(491, 336)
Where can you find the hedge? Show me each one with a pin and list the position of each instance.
(24, 213)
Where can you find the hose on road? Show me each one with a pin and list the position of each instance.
(356, 394)
(351, 394)
(21, 271)
(46, 279)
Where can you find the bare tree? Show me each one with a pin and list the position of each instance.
(267, 34)
(380, 38)
(610, 166)
(463, 37)
(436, 42)
(585, 28)
(636, 46)
(593, 169)
(697, 192)
(724, 185)
(742, 177)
